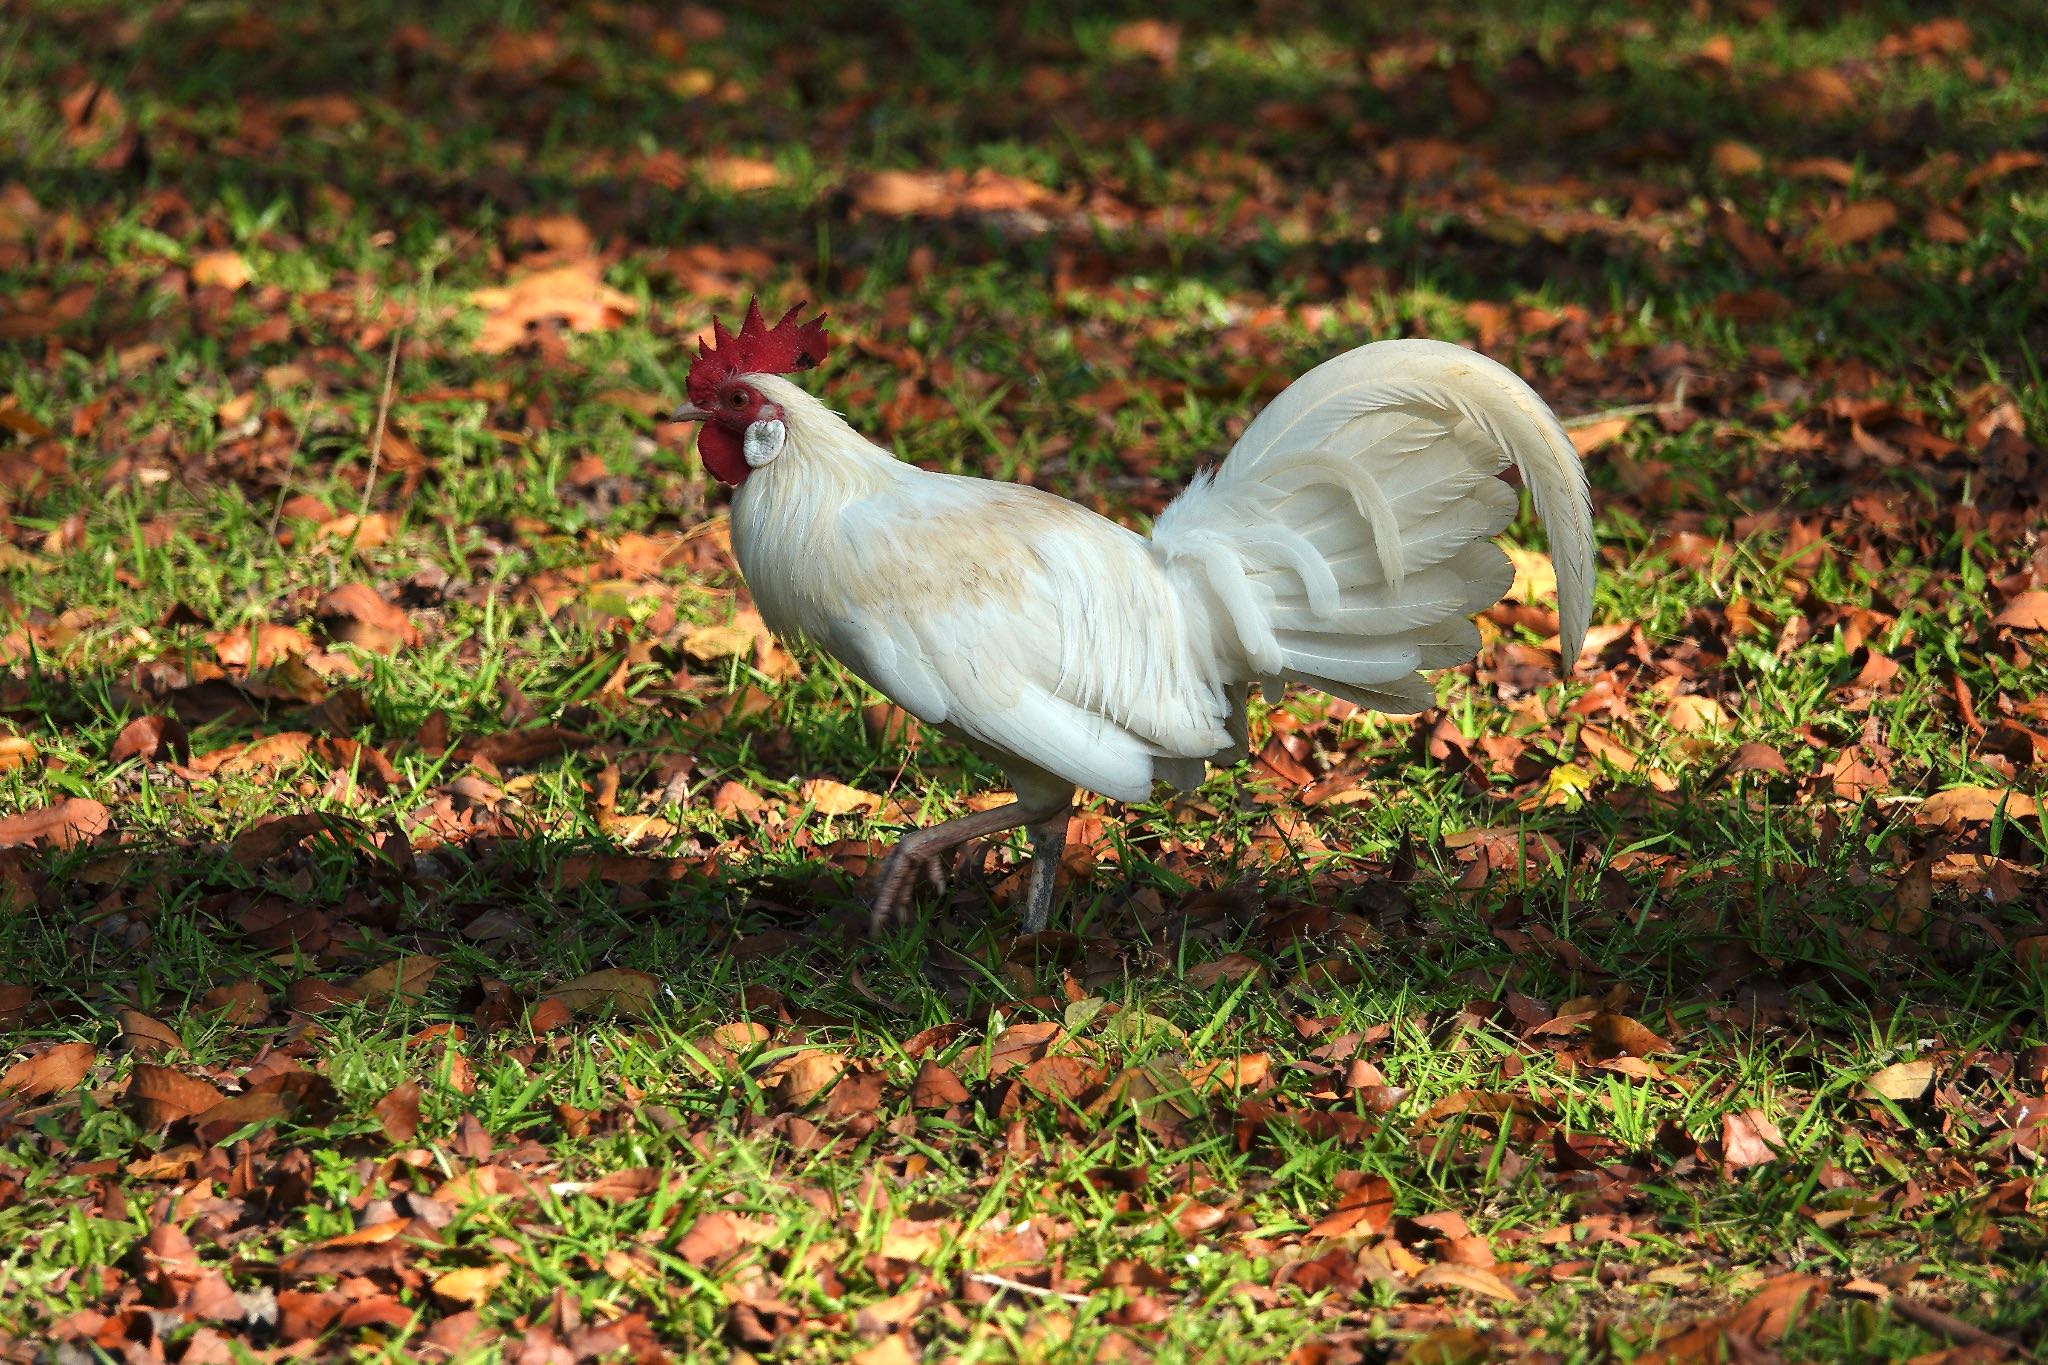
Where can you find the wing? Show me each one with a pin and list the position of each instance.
(1029, 625)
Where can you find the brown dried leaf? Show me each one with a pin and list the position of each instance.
(145, 737)
(1857, 222)
(62, 824)
(1367, 1209)
(161, 1095)
(1749, 1139)
(146, 1037)
(828, 797)
(398, 1113)
(49, 1072)
(807, 1075)
(2026, 611)
(628, 991)
(224, 268)
(1618, 1035)
(1231, 967)
(936, 1087)
(1451, 1275)
(1902, 1081)
(405, 978)
(573, 295)
(355, 614)
(242, 1001)
(1974, 805)
(469, 1286)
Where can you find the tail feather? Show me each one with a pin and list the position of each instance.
(1347, 537)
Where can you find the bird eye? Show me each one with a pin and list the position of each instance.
(738, 398)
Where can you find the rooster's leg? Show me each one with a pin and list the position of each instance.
(1048, 842)
(925, 849)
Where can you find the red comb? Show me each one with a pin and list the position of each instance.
(785, 348)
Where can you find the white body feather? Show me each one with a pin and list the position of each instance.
(1343, 544)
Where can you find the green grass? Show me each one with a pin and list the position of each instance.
(1214, 226)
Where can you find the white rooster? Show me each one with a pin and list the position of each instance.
(1343, 545)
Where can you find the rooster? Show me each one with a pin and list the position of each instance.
(1343, 545)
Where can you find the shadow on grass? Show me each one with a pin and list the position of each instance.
(557, 105)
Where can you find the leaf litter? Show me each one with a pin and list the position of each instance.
(304, 877)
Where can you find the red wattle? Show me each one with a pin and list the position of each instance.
(723, 454)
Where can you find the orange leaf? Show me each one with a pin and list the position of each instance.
(2027, 611)
(62, 824)
(49, 1072)
(1857, 222)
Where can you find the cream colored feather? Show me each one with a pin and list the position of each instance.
(1344, 544)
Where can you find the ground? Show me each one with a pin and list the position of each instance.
(431, 916)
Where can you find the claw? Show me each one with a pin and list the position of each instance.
(924, 851)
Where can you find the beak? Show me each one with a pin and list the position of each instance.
(688, 412)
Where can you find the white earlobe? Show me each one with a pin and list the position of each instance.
(763, 441)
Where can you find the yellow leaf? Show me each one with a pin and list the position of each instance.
(836, 798)
(1733, 158)
(1857, 222)
(739, 174)
(1902, 1080)
(1588, 437)
(1691, 713)
(406, 979)
(469, 1286)
(1535, 575)
(1567, 785)
(573, 294)
(627, 991)
(1974, 805)
(890, 1350)
(224, 268)
(708, 644)
(807, 1075)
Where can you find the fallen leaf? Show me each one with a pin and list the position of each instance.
(398, 1113)
(49, 1072)
(808, 1075)
(1974, 805)
(1155, 39)
(629, 992)
(1749, 1139)
(1619, 1035)
(709, 644)
(1902, 1080)
(828, 797)
(900, 194)
(1693, 713)
(241, 1002)
(224, 268)
(65, 823)
(147, 1037)
(936, 1087)
(146, 737)
(1588, 437)
(2026, 611)
(890, 1350)
(573, 294)
(162, 1095)
(1854, 223)
(1450, 1275)
(405, 978)
(354, 614)
(1366, 1208)
(469, 1286)
(739, 174)
(1733, 158)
